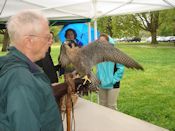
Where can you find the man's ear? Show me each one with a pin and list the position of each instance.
(28, 42)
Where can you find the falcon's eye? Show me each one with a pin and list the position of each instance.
(70, 45)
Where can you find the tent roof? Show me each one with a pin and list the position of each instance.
(82, 9)
(65, 22)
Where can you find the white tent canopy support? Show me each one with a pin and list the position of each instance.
(89, 32)
(82, 9)
(95, 29)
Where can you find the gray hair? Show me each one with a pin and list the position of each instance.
(25, 23)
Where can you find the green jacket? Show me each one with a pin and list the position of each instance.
(26, 99)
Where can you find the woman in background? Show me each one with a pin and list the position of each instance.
(71, 34)
(109, 74)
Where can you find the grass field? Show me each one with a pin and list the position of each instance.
(148, 95)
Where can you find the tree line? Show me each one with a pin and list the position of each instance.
(152, 24)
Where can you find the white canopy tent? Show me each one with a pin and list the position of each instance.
(82, 9)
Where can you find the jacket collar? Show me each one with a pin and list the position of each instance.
(21, 57)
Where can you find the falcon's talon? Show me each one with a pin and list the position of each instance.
(86, 79)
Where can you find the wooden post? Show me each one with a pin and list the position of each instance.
(71, 88)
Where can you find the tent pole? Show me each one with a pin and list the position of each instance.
(95, 29)
(89, 32)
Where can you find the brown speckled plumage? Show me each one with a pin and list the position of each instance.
(86, 57)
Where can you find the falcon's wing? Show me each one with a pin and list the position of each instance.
(98, 52)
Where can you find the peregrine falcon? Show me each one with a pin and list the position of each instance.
(84, 58)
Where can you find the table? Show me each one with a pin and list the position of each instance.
(90, 116)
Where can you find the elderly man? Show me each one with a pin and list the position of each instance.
(26, 100)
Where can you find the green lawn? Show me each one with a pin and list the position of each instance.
(148, 95)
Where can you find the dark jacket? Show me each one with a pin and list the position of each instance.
(26, 99)
(47, 65)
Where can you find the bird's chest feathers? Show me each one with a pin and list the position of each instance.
(72, 54)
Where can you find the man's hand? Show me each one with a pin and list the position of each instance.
(82, 87)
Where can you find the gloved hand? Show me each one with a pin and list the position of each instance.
(81, 89)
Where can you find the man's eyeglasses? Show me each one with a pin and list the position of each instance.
(48, 37)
